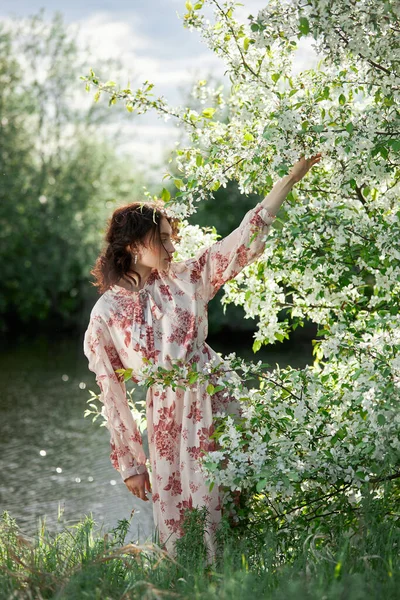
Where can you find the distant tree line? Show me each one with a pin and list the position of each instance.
(60, 179)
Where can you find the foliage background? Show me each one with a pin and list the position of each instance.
(61, 177)
(63, 172)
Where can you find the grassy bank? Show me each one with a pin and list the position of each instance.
(80, 562)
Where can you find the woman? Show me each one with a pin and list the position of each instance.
(156, 309)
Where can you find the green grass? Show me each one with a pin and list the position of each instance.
(84, 564)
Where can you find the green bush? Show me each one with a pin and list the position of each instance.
(60, 179)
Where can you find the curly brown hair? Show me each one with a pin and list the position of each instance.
(129, 226)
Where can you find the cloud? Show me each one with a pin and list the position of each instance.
(180, 70)
(251, 7)
(113, 38)
(305, 56)
(149, 144)
(161, 51)
(143, 57)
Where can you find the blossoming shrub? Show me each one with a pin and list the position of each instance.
(313, 444)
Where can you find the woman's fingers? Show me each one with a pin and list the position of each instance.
(140, 486)
(301, 168)
(142, 495)
(313, 160)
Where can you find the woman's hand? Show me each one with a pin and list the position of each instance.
(139, 485)
(302, 167)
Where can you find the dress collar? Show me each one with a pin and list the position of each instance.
(144, 295)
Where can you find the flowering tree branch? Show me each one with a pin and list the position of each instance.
(328, 434)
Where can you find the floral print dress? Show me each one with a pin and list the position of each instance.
(165, 321)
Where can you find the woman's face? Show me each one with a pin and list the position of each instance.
(158, 256)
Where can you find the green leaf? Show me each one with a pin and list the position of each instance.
(304, 26)
(261, 485)
(97, 96)
(127, 373)
(208, 113)
(254, 27)
(246, 43)
(384, 152)
(248, 137)
(256, 345)
(211, 466)
(110, 84)
(193, 378)
(294, 476)
(215, 186)
(350, 127)
(275, 77)
(189, 6)
(338, 568)
(199, 160)
(353, 183)
(381, 419)
(178, 183)
(394, 144)
(165, 195)
(210, 389)
(342, 99)
(218, 388)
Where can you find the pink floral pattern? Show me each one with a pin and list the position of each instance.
(167, 321)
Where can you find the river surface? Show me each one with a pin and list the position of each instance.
(54, 463)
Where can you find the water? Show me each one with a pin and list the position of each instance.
(54, 463)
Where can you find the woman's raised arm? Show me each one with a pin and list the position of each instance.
(217, 264)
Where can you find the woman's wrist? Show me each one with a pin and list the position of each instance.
(134, 470)
(135, 475)
(292, 178)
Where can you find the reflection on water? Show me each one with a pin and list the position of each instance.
(51, 457)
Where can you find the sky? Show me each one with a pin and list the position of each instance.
(150, 40)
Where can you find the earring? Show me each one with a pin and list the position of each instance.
(135, 259)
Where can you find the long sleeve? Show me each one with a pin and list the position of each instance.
(217, 264)
(127, 455)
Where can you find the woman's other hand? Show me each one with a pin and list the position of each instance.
(139, 485)
(302, 167)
